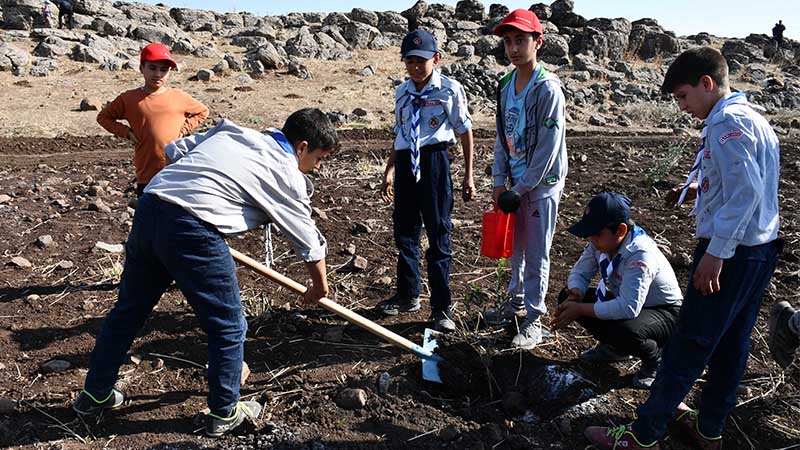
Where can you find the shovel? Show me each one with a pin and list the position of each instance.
(430, 361)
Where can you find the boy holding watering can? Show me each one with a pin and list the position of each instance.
(531, 153)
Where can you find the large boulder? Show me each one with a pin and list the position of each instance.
(268, 56)
(85, 53)
(648, 40)
(470, 10)
(330, 48)
(26, 14)
(435, 27)
(542, 11)
(94, 7)
(360, 35)
(148, 14)
(441, 12)
(106, 26)
(152, 33)
(463, 31)
(295, 20)
(415, 13)
(489, 45)
(554, 48)
(51, 47)
(194, 19)
(336, 19)
(12, 58)
(742, 51)
(392, 22)
(559, 9)
(498, 10)
(302, 44)
(364, 16)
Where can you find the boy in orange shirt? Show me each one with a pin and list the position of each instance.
(156, 114)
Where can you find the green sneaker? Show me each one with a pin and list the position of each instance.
(89, 406)
(216, 426)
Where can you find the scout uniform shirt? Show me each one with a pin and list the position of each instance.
(237, 179)
(737, 194)
(641, 278)
(443, 111)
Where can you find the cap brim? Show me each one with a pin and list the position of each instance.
(503, 27)
(421, 53)
(171, 62)
(583, 229)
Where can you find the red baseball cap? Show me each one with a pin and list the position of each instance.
(157, 52)
(521, 19)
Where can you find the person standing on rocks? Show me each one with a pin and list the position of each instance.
(156, 114)
(65, 12)
(777, 33)
(736, 203)
(226, 181)
(531, 153)
(635, 306)
(430, 110)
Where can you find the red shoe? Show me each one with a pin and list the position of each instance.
(620, 437)
(688, 432)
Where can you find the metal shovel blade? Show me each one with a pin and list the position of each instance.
(430, 360)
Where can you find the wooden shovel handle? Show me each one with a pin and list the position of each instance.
(339, 310)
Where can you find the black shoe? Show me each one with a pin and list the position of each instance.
(644, 378)
(397, 304)
(443, 321)
(89, 406)
(216, 426)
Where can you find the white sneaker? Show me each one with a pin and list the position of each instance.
(530, 335)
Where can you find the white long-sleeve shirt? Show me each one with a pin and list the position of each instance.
(237, 179)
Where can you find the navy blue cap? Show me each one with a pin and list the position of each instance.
(604, 209)
(419, 43)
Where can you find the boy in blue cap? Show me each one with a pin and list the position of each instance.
(737, 168)
(430, 110)
(531, 153)
(635, 306)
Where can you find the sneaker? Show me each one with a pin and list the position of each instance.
(783, 342)
(621, 437)
(530, 335)
(688, 432)
(505, 314)
(397, 304)
(216, 426)
(644, 378)
(87, 405)
(443, 321)
(603, 353)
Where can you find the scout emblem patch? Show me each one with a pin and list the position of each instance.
(434, 122)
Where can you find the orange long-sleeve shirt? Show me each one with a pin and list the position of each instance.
(156, 120)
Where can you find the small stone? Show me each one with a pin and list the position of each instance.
(44, 241)
(7, 405)
(514, 403)
(55, 366)
(135, 360)
(32, 298)
(110, 248)
(64, 265)
(96, 191)
(99, 205)
(680, 260)
(384, 281)
(360, 112)
(319, 213)
(158, 364)
(204, 75)
(21, 262)
(61, 203)
(351, 250)
(368, 71)
(245, 372)
(91, 104)
(383, 383)
(351, 399)
(333, 334)
(360, 263)
(4, 198)
(597, 120)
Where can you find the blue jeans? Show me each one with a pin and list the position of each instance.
(429, 202)
(166, 243)
(713, 331)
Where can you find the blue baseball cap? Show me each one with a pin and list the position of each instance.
(604, 209)
(419, 43)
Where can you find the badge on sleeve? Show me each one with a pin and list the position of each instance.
(733, 134)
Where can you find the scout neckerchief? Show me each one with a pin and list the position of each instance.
(607, 267)
(696, 172)
(286, 146)
(417, 100)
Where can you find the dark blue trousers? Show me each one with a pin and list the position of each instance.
(713, 331)
(166, 243)
(428, 202)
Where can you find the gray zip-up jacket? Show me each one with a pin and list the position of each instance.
(237, 179)
(642, 279)
(545, 136)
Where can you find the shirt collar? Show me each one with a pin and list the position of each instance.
(435, 82)
(278, 136)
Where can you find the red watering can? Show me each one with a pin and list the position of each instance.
(497, 238)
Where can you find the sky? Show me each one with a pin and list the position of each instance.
(726, 18)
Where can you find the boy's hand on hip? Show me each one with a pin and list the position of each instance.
(706, 276)
(387, 189)
(467, 188)
(496, 194)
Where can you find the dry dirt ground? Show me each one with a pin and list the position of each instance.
(301, 358)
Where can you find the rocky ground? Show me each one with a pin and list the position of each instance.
(64, 214)
(65, 187)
